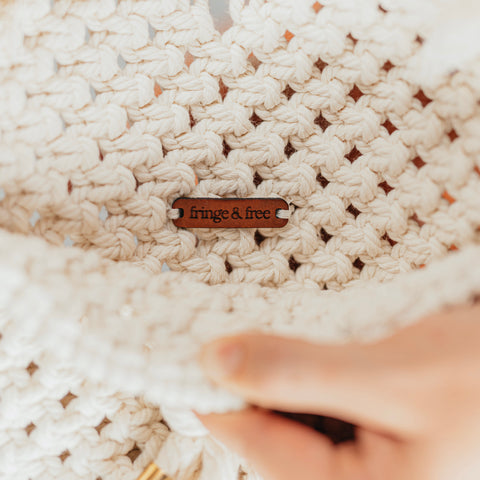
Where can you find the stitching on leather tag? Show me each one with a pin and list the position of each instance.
(231, 212)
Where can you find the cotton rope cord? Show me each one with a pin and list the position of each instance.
(363, 115)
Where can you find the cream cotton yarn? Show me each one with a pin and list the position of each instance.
(362, 115)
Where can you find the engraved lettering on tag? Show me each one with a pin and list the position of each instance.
(231, 212)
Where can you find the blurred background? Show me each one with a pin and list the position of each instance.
(221, 17)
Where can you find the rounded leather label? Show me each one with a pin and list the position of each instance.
(231, 212)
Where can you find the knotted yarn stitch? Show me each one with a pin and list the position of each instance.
(362, 115)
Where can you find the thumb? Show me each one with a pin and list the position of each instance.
(349, 382)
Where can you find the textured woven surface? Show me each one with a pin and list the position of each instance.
(109, 111)
(111, 126)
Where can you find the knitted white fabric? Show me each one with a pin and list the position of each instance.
(364, 116)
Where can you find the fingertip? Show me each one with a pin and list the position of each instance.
(227, 428)
(222, 358)
(277, 447)
(198, 415)
(206, 418)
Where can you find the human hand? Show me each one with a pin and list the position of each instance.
(414, 397)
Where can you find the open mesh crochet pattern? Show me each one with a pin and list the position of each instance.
(110, 110)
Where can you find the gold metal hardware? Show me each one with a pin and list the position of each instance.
(152, 472)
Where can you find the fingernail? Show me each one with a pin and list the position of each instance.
(222, 358)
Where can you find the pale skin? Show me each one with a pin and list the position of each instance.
(414, 396)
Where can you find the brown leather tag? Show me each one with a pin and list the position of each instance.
(230, 212)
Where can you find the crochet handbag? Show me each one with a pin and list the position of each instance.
(353, 124)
